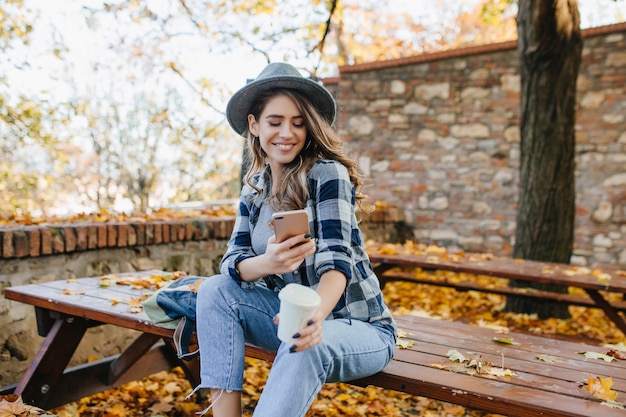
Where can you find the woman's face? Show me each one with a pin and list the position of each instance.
(281, 130)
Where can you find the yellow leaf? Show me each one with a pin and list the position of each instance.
(499, 371)
(505, 340)
(388, 250)
(403, 333)
(404, 344)
(70, 292)
(342, 397)
(171, 387)
(600, 388)
(118, 409)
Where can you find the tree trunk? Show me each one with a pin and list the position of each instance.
(549, 48)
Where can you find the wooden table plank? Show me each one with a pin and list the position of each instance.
(500, 289)
(485, 394)
(564, 275)
(539, 272)
(479, 338)
(101, 308)
(552, 388)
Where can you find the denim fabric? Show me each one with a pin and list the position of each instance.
(229, 314)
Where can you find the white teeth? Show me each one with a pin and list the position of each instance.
(283, 146)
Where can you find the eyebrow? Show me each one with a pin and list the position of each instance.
(278, 116)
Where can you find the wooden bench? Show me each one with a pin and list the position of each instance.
(66, 309)
(595, 283)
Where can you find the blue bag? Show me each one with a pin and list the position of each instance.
(174, 307)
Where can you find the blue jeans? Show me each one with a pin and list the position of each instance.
(229, 315)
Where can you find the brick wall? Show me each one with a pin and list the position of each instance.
(438, 136)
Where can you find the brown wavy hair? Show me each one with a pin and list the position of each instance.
(322, 142)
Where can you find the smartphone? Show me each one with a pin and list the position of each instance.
(290, 223)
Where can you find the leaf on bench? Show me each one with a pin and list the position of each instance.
(618, 351)
(70, 292)
(403, 343)
(600, 388)
(473, 366)
(614, 404)
(548, 358)
(456, 356)
(497, 328)
(141, 280)
(505, 340)
(619, 346)
(597, 355)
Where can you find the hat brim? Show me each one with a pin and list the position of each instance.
(238, 106)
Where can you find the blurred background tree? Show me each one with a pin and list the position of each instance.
(26, 124)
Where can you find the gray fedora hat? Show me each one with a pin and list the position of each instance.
(278, 75)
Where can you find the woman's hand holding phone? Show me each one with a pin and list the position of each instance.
(292, 241)
(287, 256)
(292, 223)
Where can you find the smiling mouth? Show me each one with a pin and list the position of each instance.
(284, 146)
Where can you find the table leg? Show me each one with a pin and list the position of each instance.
(41, 379)
(131, 356)
(608, 309)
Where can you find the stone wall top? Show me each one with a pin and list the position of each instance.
(459, 52)
(55, 239)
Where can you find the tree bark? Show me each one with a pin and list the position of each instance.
(549, 48)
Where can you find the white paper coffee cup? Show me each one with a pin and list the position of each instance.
(297, 305)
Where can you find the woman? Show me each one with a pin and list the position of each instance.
(296, 163)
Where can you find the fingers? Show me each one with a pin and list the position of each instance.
(287, 257)
(299, 242)
(308, 336)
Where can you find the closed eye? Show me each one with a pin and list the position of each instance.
(298, 125)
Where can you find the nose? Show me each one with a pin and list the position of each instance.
(285, 130)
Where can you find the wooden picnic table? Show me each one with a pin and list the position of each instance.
(421, 366)
(596, 283)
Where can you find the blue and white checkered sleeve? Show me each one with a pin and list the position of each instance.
(335, 208)
(239, 245)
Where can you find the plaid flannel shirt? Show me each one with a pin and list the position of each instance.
(334, 227)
